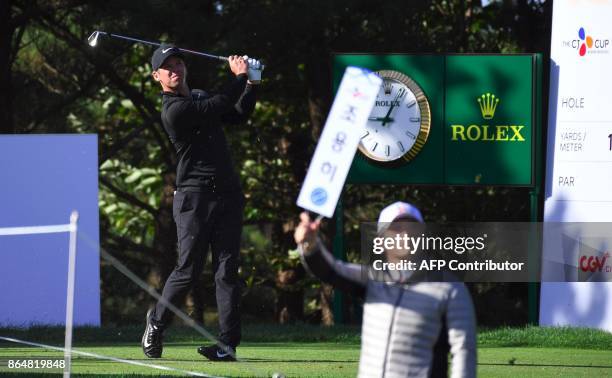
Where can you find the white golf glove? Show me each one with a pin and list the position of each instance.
(255, 69)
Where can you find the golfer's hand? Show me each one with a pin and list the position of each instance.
(238, 65)
(253, 63)
(306, 232)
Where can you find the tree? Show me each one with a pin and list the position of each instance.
(59, 84)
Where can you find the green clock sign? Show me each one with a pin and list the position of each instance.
(398, 126)
(449, 119)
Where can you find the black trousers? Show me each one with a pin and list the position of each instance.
(206, 219)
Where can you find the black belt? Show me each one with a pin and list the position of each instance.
(214, 185)
(205, 185)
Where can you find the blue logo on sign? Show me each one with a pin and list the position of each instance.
(318, 196)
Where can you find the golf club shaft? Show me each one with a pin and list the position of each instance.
(159, 44)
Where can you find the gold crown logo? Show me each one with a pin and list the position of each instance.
(488, 103)
(387, 86)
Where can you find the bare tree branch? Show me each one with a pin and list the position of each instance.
(127, 197)
(16, 44)
(65, 102)
(146, 108)
(127, 243)
(118, 146)
(7, 124)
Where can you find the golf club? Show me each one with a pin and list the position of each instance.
(92, 40)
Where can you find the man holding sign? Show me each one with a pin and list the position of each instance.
(405, 324)
(320, 193)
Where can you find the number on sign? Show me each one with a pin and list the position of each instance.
(328, 169)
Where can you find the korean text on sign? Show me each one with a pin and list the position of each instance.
(338, 143)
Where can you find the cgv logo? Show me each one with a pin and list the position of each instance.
(593, 263)
(499, 133)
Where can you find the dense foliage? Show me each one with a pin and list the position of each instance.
(53, 82)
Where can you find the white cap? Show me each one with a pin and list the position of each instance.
(397, 210)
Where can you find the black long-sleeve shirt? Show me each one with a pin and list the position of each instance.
(193, 124)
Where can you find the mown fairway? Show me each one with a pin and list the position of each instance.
(519, 352)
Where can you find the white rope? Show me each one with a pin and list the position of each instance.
(102, 357)
(134, 278)
(51, 229)
(151, 290)
(72, 251)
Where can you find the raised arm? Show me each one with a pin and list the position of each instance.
(243, 108)
(214, 106)
(320, 262)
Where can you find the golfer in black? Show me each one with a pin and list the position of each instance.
(208, 202)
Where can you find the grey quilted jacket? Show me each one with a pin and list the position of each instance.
(402, 321)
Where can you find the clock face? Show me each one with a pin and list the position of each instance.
(399, 124)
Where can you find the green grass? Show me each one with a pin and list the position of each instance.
(251, 333)
(537, 337)
(258, 359)
(312, 351)
(544, 362)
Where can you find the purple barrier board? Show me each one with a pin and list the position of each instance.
(43, 179)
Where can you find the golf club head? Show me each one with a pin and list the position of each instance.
(92, 40)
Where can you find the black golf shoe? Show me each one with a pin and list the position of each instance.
(152, 345)
(216, 353)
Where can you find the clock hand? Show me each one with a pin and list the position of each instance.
(400, 94)
(386, 117)
(380, 119)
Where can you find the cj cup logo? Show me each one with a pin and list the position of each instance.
(487, 103)
(587, 44)
(594, 263)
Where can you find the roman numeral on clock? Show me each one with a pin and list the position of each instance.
(411, 104)
(415, 119)
(411, 135)
(401, 146)
(375, 145)
(365, 135)
(388, 150)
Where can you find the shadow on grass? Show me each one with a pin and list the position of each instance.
(265, 360)
(547, 365)
(254, 333)
(250, 345)
(43, 375)
(82, 362)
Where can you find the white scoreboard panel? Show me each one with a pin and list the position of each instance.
(579, 161)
